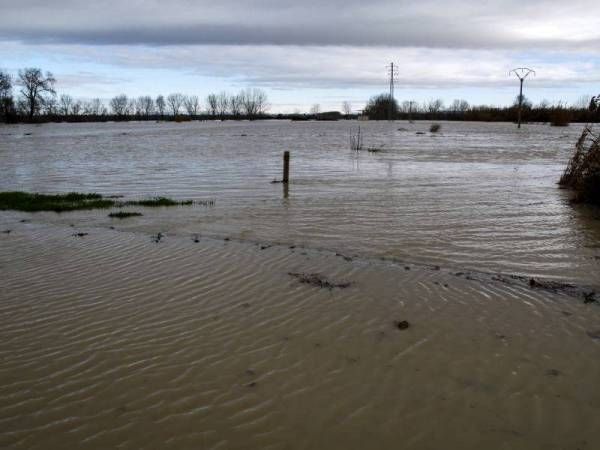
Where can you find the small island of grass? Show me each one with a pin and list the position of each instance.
(34, 202)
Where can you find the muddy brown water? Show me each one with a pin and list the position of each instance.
(111, 340)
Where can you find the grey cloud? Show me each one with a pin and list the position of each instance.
(429, 23)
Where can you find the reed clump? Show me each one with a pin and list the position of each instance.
(583, 170)
(356, 140)
(435, 127)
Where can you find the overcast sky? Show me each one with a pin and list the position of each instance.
(308, 52)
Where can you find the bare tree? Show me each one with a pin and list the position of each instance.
(434, 106)
(119, 105)
(92, 107)
(583, 102)
(254, 102)
(222, 104)
(459, 106)
(175, 101)
(212, 102)
(65, 103)
(49, 105)
(347, 109)
(131, 107)
(77, 107)
(5, 84)
(235, 105)
(161, 105)
(145, 105)
(6, 99)
(315, 109)
(192, 105)
(35, 87)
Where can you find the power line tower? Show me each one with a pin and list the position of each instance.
(392, 72)
(521, 73)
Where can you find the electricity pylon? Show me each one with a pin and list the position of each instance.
(392, 72)
(521, 73)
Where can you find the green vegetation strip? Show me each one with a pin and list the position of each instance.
(24, 201)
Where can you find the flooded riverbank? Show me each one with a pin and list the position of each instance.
(473, 195)
(385, 303)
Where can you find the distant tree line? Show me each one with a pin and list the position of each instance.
(38, 101)
(379, 107)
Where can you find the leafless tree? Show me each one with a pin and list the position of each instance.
(192, 105)
(222, 104)
(347, 109)
(49, 105)
(235, 105)
(77, 107)
(65, 104)
(315, 109)
(434, 106)
(145, 105)
(35, 86)
(212, 102)
(6, 99)
(119, 105)
(175, 101)
(161, 105)
(254, 102)
(92, 107)
(459, 106)
(583, 102)
(131, 107)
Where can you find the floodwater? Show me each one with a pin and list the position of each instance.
(112, 340)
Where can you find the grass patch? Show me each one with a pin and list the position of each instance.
(124, 214)
(435, 127)
(24, 201)
(159, 201)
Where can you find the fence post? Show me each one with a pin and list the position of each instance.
(286, 167)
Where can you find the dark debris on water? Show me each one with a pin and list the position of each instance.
(402, 324)
(315, 279)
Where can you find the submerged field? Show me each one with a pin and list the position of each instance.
(384, 302)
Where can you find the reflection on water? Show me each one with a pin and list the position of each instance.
(475, 194)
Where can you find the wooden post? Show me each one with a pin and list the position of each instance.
(286, 167)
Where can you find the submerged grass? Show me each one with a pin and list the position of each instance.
(24, 201)
(159, 201)
(124, 214)
(32, 202)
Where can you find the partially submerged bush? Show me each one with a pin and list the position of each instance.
(583, 170)
(435, 127)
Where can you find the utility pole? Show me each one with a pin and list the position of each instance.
(392, 73)
(521, 73)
